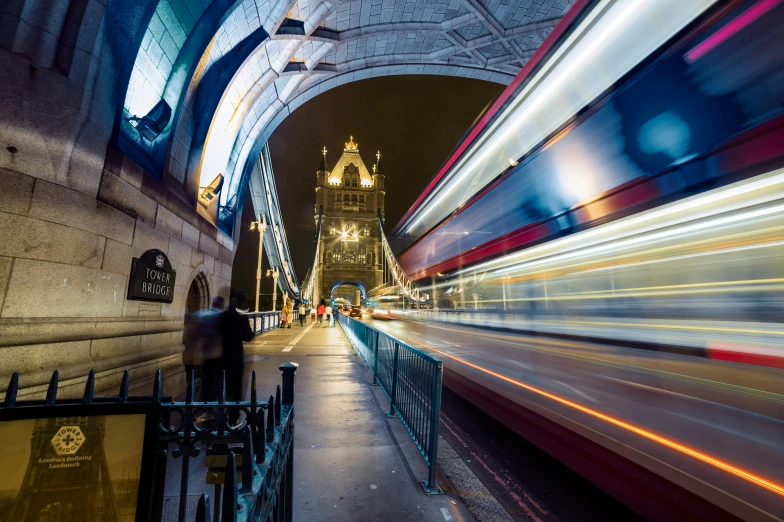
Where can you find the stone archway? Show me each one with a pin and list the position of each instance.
(361, 286)
(198, 297)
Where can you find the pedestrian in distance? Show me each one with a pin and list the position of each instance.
(312, 315)
(320, 313)
(301, 312)
(328, 315)
(288, 313)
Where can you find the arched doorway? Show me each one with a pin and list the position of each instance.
(198, 298)
(198, 295)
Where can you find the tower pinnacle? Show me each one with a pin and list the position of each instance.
(323, 165)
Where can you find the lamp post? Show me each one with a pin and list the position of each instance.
(274, 273)
(261, 226)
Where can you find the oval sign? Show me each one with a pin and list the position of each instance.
(152, 278)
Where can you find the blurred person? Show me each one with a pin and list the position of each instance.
(312, 315)
(203, 347)
(235, 330)
(287, 314)
(320, 313)
(211, 348)
(328, 315)
(301, 312)
(282, 320)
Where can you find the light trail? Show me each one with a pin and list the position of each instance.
(560, 349)
(681, 448)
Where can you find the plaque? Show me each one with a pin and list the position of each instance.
(76, 467)
(152, 278)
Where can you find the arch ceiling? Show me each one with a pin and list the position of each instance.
(233, 70)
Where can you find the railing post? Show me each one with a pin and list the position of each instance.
(230, 490)
(431, 485)
(203, 509)
(375, 359)
(289, 483)
(393, 391)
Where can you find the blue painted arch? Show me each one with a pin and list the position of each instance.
(358, 284)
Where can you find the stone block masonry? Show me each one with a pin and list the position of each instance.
(72, 218)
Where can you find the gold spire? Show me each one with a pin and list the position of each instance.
(378, 156)
(351, 146)
(374, 168)
(324, 151)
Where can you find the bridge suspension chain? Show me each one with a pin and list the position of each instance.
(399, 278)
(307, 287)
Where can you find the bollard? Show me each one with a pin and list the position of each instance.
(288, 369)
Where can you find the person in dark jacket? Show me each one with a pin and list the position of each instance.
(235, 329)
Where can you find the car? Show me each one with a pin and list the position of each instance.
(355, 312)
(382, 313)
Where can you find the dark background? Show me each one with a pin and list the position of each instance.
(415, 121)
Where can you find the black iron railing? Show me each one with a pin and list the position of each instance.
(411, 380)
(248, 445)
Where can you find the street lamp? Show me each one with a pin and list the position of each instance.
(274, 273)
(261, 226)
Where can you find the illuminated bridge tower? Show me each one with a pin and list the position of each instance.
(350, 251)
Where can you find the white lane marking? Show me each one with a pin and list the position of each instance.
(578, 392)
(296, 339)
(415, 333)
(446, 514)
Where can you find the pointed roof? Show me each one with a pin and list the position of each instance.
(349, 157)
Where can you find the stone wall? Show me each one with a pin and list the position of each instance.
(73, 214)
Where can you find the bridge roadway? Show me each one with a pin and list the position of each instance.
(725, 411)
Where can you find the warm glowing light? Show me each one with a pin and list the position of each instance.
(681, 448)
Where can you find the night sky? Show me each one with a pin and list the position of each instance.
(415, 121)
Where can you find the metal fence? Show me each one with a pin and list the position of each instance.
(248, 446)
(261, 322)
(411, 380)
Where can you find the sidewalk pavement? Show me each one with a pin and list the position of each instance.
(351, 463)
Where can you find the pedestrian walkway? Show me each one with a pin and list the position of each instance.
(351, 463)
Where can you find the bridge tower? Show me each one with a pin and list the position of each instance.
(350, 197)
